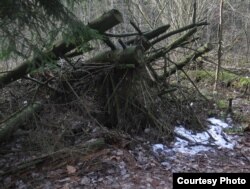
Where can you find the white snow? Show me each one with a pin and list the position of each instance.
(158, 147)
(189, 142)
(217, 122)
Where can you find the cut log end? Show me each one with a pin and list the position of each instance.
(107, 21)
(117, 15)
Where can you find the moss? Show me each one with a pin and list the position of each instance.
(222, 104)
(243, 82)
(204, 75)
(227, 78)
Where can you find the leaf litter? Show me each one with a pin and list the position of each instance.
(140, 165)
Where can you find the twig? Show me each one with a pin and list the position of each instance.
(136, 27)
(122, 44)
(160, 13)
(108, 42)
(116, 88)
(120, 35)
(80, 100)
(194, 13)
(68, 61)
(191, 81)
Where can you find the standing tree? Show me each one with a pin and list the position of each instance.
(217, 74)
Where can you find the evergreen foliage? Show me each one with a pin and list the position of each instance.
(27, 27)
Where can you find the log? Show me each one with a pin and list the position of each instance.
(18, 119)
(132, 55)
(102, 24)
(150, 35)
(178, 31)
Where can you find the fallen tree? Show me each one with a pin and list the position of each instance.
(102, 24)
(132, 55)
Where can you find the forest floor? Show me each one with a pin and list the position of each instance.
(37, 159)
(114, 166)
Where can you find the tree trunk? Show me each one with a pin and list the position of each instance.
(217, 74)
(132, 55)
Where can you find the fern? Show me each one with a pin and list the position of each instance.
(244, 81)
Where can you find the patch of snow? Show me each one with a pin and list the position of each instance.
(218, 122)
(158, 147)
(185, 147)
(189, 142)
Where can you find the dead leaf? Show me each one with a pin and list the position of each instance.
(71, 169)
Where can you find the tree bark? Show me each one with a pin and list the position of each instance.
(217, 74)
(132, 55)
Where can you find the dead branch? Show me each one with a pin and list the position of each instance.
(178, 31)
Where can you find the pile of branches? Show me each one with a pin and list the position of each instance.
(122, 79)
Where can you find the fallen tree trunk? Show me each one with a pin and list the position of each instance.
(17, 119)
(151, 35)
(178, 31)
(102, 24)
(132, 55)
